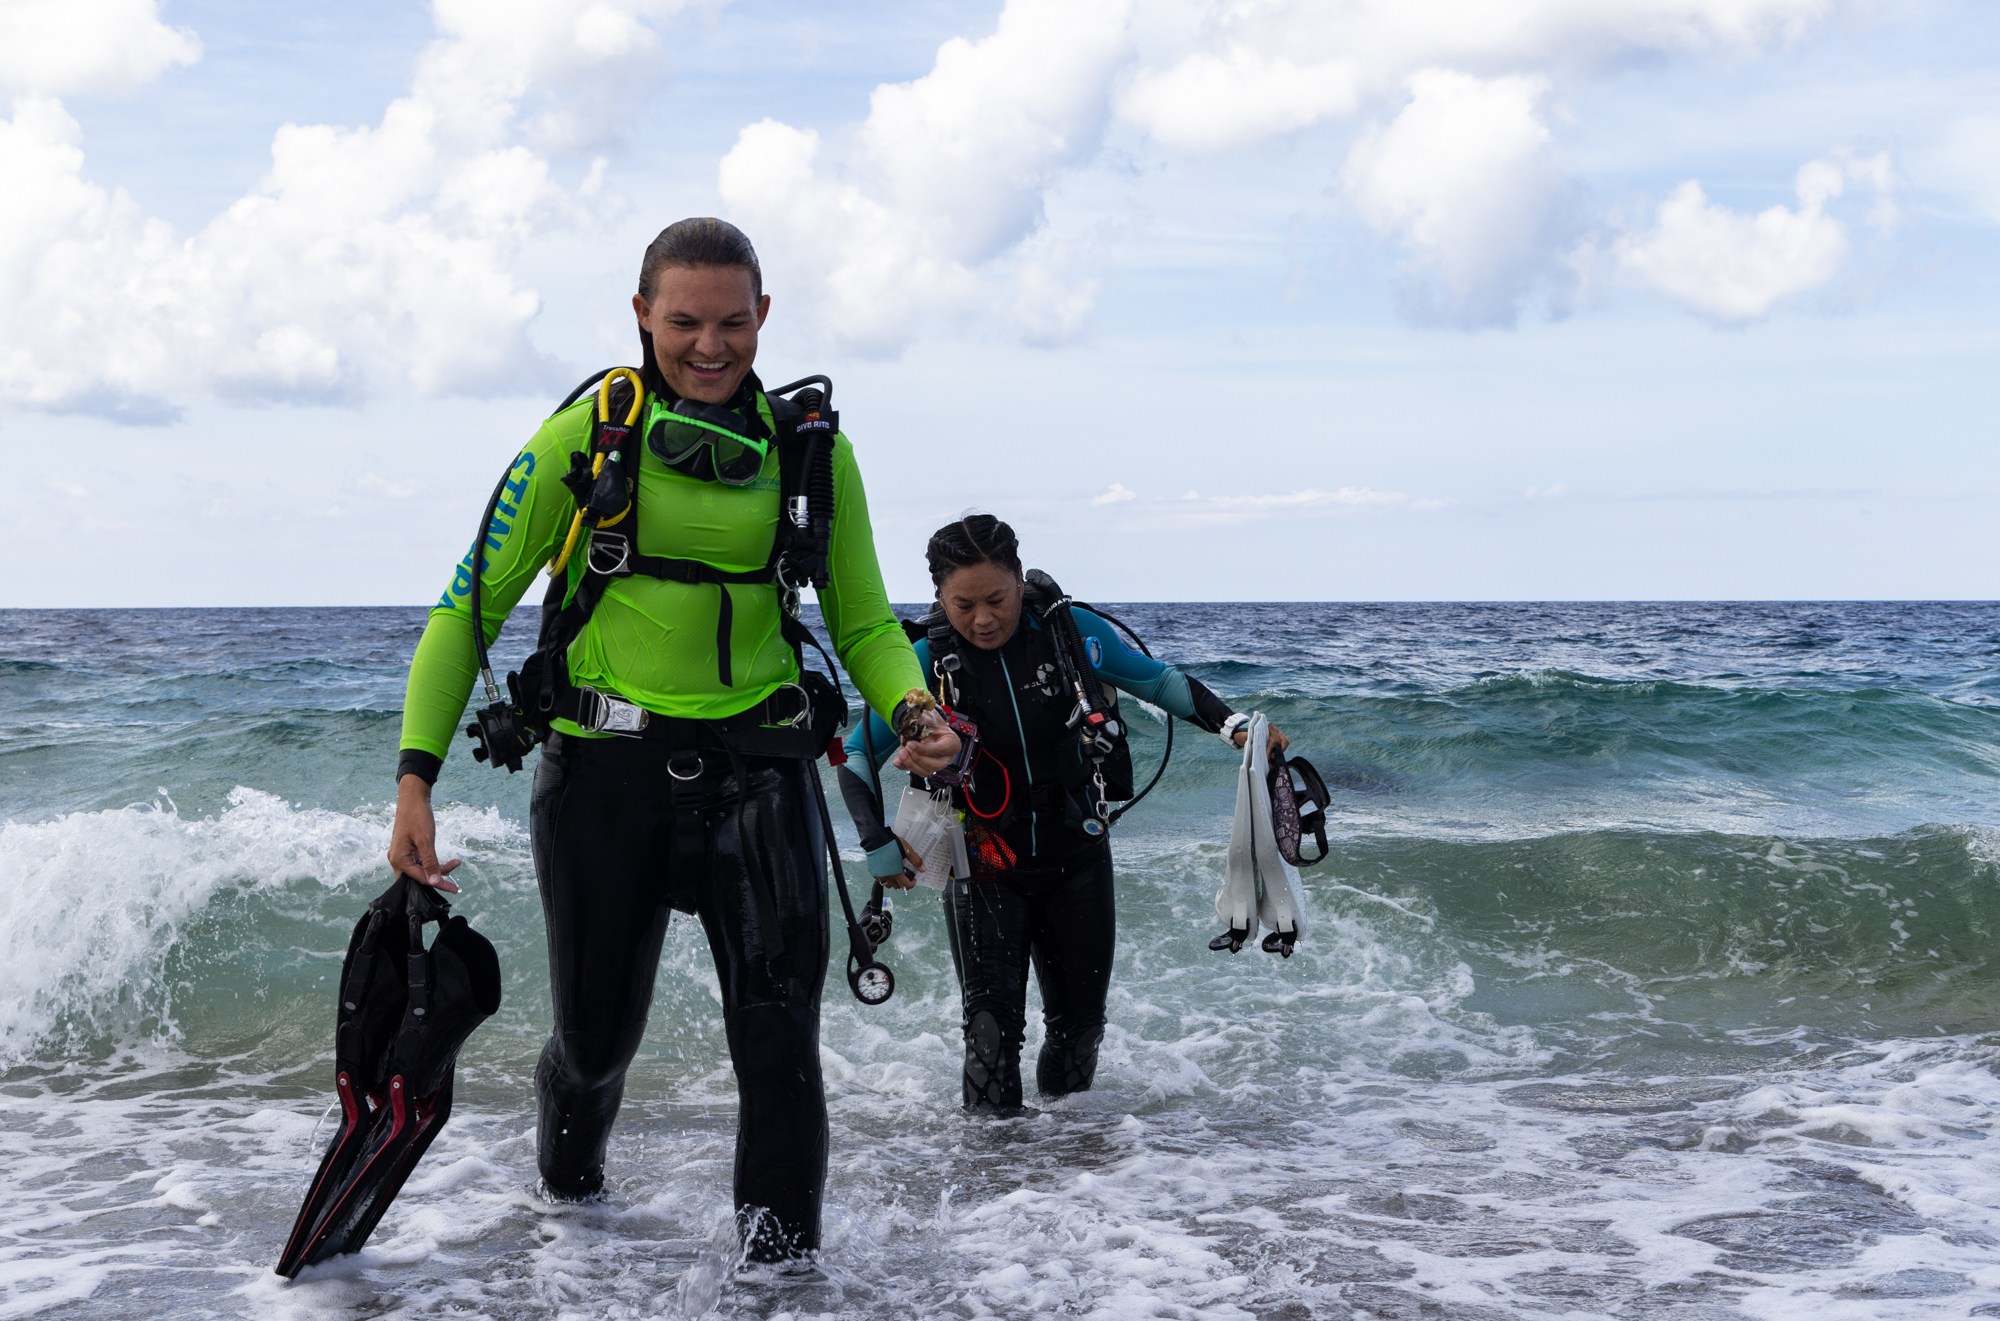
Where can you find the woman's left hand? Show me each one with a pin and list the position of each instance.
(1276, 747)
(932, 752)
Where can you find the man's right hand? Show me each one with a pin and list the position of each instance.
(413, 837)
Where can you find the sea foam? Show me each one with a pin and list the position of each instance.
(95, 905)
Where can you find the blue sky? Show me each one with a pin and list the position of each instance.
(1214, 299)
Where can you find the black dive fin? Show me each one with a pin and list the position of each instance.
(404, 1012)
(373, 994)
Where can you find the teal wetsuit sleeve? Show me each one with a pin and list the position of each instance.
(527, 527)
(855, 604)
(872, 741)
(1132, 671)
(871, 745)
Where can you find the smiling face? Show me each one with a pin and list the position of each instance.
(983, 602)
(703, 321)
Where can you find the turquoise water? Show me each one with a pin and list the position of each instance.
(1652, 975)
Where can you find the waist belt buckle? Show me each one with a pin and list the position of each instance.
(602, 713)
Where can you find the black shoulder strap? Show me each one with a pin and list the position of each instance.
(801, 553)
(1052, 607)
(937, 631)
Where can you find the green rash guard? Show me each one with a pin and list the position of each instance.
(650, 640)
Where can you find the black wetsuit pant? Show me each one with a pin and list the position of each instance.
(1063, 921)
(612, 863)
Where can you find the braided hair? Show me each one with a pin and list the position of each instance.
(974, 539)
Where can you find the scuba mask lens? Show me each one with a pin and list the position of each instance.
(681, 435)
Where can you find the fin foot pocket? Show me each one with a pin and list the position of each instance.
(403, 1012)
(1229, 941)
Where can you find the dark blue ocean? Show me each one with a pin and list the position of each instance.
(1655, 973)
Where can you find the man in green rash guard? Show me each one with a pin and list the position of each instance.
(677, 816)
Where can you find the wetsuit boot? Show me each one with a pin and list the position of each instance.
(992, 1065)
(1067, 1064)
(573, 1129)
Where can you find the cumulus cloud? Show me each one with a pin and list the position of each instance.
(1217, 100)
(1246, 69)
(1464, 175)
(57, 47)
(1117, 493)
(936, 205)
(366, 258)
(1464, 178)
(1733, 267)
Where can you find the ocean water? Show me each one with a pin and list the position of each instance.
(1653, 975)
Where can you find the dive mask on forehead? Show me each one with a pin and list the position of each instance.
(707, 440)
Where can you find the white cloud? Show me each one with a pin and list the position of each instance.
(370, 258)
(1246, 69)
(968, 148)
(1196, 510)
(56, 47)
(1216, 100)
(928, 212)
(1350, 496)
(865, 272)
(1464, 178)
(934, 209)
(1732, 267)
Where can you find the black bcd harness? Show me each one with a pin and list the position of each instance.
(800, 720)
(1098, 788)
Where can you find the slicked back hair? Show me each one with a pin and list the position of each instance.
(699, 241)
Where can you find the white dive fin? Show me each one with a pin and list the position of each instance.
(1280, 905)
(1236, 901)
(1258, 885)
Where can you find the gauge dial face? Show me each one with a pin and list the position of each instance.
(874, 985)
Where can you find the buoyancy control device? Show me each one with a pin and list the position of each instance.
(604, 533)
(1098, 782)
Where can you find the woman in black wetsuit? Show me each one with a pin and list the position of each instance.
(1040, 893)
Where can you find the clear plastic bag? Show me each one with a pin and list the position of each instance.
(929, 824)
